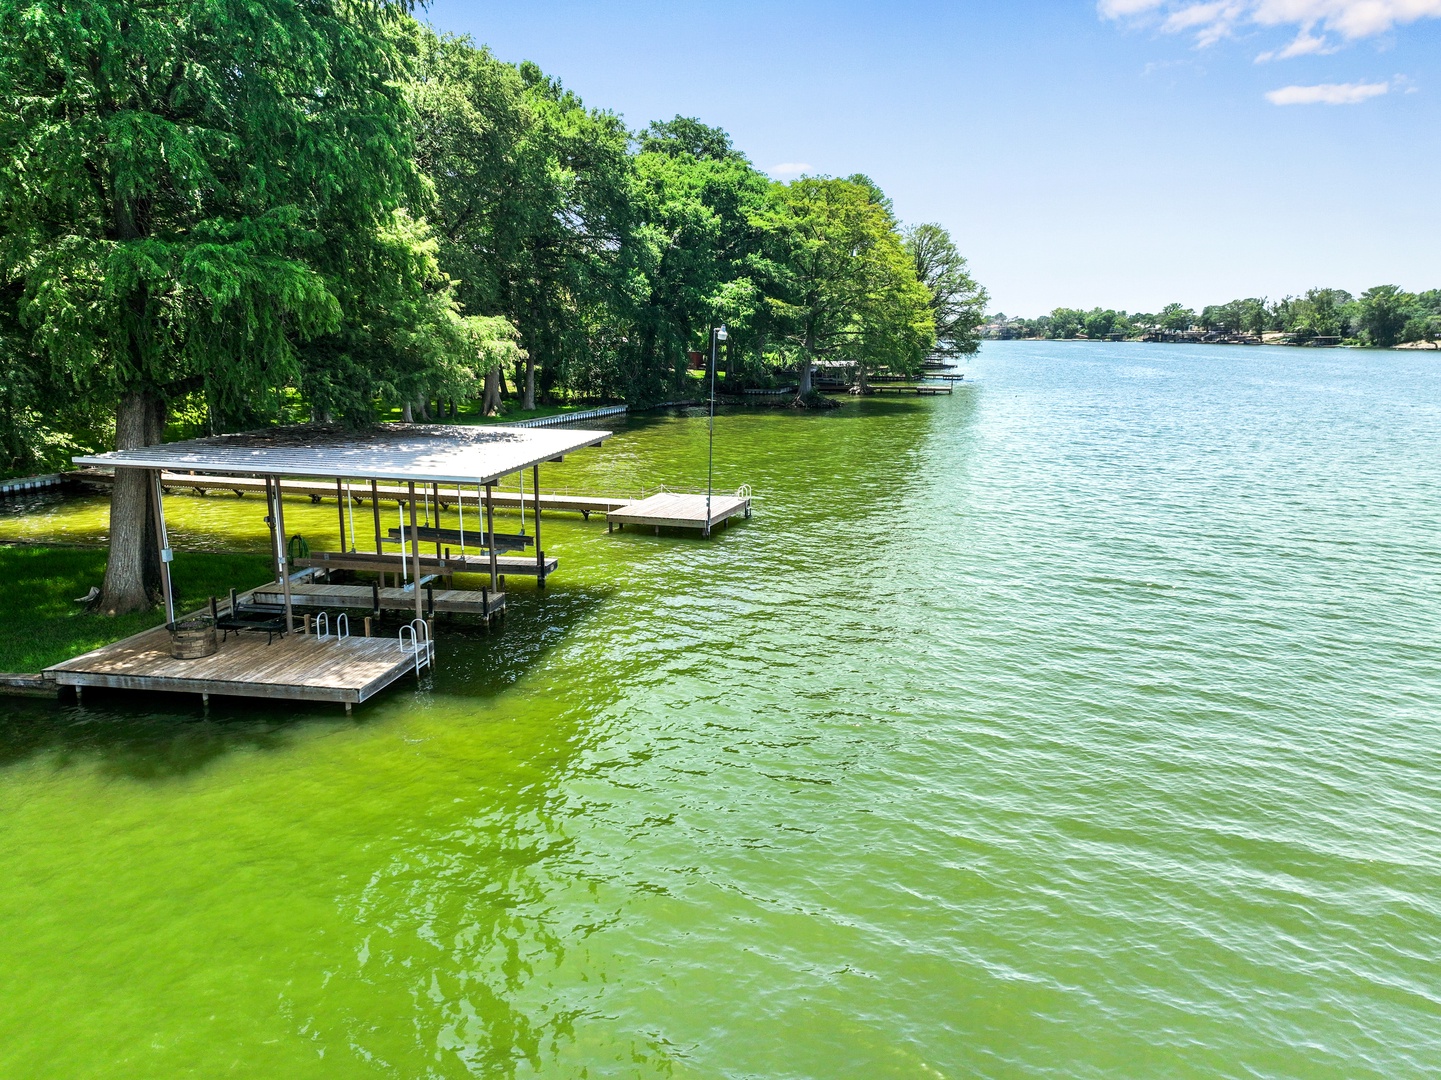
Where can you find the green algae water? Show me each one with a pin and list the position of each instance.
(1082, 724)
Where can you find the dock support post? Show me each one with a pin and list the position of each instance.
(375, 510)
(157, 495)
(270, 520)
(539, 552)
(415, 551)
(282, 556)
(348, 707)
(490, 535)
(367, 626)
(340, 508)
(436, 489)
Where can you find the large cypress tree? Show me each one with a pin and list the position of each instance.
(176, 178)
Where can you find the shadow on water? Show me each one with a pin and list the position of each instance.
(159, 736)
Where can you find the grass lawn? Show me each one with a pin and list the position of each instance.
(40, 624)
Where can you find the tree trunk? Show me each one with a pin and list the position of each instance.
(490, 402)
(407, 415)
(529, 402)
(805, 388)
(132, 573)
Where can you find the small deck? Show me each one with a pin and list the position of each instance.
(677, 510)
(295, 667)
(480, 602)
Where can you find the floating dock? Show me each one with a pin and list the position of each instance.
(676, 510)
(296, 667)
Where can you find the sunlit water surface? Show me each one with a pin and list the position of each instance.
(1082, 724)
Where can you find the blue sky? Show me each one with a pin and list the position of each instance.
(1125, 154)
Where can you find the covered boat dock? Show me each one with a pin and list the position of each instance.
(335, 666)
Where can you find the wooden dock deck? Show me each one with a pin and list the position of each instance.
(480, 602)
(677, 510)
(295, 667)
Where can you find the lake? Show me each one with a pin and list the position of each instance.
(1085, 723)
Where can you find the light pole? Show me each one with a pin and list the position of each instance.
(716, 337)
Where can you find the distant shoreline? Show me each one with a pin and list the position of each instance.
(1408, 346)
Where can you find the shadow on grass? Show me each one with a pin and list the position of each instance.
(158, 737)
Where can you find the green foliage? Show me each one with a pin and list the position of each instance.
(1066, 323)
(249, 214)
(1384, 313)
(185, 184)
(840, 284)
(1176, 317)
(958, 303)
(1383, 316)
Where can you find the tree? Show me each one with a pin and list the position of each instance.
(1385, 310)
(1175, 317)
(958, 302)
(696, 197)
(1066, 323)
(178, 179)
(841, 285)
(1100, 323)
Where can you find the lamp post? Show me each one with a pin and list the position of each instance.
(716, 337)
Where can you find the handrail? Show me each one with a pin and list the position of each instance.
(323, 618)
(342, 627)
(419, 635)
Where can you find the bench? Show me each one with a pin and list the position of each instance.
(267, 619)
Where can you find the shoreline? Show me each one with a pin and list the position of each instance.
(1409, 346)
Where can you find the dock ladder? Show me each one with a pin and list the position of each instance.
(420, 644)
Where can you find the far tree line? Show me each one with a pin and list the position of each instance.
(1381, 317)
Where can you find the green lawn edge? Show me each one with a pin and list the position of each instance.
(40, 623)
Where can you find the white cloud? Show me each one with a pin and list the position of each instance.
(1327, 94)
(1305, 44)
(790, 168)
(1212, 20)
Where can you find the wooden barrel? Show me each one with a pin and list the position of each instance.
(192, 639)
